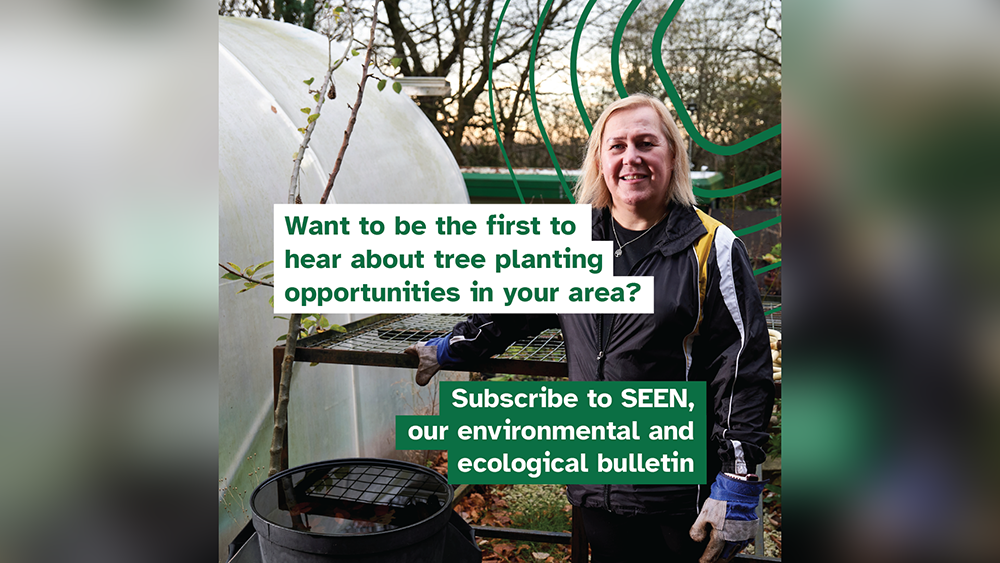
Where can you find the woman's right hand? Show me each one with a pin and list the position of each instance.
(427, 353)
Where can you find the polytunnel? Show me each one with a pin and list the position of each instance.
(394, 156)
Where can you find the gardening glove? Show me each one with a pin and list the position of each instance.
(432, 354)
(730, 512)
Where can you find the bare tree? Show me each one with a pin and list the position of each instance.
(246, 8)
(326, 91)
(724, 58)
(454, 38)
(298, 12)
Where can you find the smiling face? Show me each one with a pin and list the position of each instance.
(636, 161)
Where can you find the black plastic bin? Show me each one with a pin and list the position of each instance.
(360, 510)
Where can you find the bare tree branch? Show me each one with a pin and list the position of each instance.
(281, 410)
(248, 278)
(331, 66)
(354, 109)
(759, 53)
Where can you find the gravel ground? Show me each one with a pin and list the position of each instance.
(772, 537)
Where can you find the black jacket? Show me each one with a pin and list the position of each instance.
(720, 339)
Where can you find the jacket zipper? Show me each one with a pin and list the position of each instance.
(600, 363)
(600, 377)
(600, 347)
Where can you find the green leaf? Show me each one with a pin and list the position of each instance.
(295, 155)
(262, 264)
(338, 9)
(354, 52)
(282, 337)
(229, 276)
(235, 267)
(337, 328)
(395, 62)
(251, 285)
(397, 87)
(271, 300)
(314, 364)
(310, 81)
(313, 117)
(306, 111)
(323, 322)
(381, 84)
(264, 277)
(302, 130)
(242, 290)
(280, 317)
(316, 96)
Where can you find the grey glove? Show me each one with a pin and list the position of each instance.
(427, 353)
(730, 513)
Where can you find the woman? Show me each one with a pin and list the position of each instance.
(708, 325)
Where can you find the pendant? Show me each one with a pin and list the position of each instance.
(618, 253)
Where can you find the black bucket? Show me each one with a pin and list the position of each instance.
(359, 510)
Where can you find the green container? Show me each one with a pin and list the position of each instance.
(706, 180)
(494, 185)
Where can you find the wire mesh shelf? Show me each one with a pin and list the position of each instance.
(392, 334)
(380, 340)
(548, 346)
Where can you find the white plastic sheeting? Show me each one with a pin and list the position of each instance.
(394, 156)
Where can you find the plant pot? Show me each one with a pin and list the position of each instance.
(357, 510)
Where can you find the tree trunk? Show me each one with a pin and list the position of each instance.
(281, 411)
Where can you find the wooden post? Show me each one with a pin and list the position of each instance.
(579, 548)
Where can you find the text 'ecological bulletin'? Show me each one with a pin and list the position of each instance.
(565, 432)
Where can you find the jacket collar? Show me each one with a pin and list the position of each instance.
(682, 229)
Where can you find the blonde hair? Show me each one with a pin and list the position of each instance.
(591, 188)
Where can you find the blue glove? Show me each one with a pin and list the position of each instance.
(730, 514)
(433, 354)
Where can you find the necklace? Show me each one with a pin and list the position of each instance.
(621, 246)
